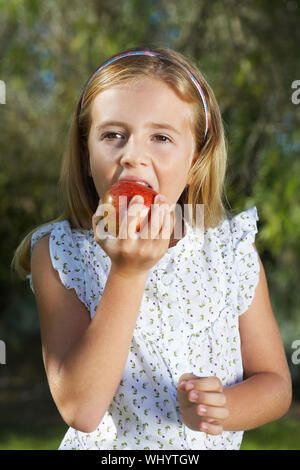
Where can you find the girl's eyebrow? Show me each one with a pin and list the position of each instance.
(154, 125)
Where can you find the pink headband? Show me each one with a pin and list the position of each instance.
(125, 54)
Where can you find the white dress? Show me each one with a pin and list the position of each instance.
(188, 323)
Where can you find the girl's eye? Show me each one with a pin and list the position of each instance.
(112, 136)
(164, 137)
(106, 136)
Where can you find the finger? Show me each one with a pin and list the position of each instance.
(207, 398)
(184, 378)
(181, 393)
(136, 212)
(167, 225)
(213, 428)
(157, 217)
(128, 219)
(205, 384)
(214, 412)
(104, 218)
(147, 222)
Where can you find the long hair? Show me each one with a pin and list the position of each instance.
(207, 173)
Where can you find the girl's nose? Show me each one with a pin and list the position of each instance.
(134, 154)
(134, 159)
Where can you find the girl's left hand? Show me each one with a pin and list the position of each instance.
(202, 403)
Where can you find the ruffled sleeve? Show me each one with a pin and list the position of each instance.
(65, 256)
(244, 229)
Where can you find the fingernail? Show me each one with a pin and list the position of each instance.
(202, 409)
(204, 426)
(160, 198)
(189, 386)
(182, 384)
(194, 395)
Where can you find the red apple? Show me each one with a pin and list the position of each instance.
(128, 189)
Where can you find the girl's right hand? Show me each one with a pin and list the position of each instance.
(137, 252)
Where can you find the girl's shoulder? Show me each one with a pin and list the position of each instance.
(231, 232)
(66, 249)
(48, 229)
(81, 263)
(244, 226)
(61, 232)
(243, 229)
(230, 247)
(64, 238)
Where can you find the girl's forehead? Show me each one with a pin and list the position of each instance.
(138, 96)
(139, 83)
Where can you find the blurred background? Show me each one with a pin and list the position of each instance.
(249, 53)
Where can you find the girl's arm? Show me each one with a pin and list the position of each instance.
(84, 359)
(266, 393)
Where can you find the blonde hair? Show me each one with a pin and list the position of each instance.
(207, 173)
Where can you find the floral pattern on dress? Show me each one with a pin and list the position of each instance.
(188, 323)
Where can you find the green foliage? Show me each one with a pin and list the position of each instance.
(283, 434)
(28, 440)
(248, 51)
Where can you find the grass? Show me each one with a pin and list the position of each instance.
(31, 423)
(46, 440)
(283, 434)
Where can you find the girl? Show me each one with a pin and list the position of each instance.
(153, 342)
